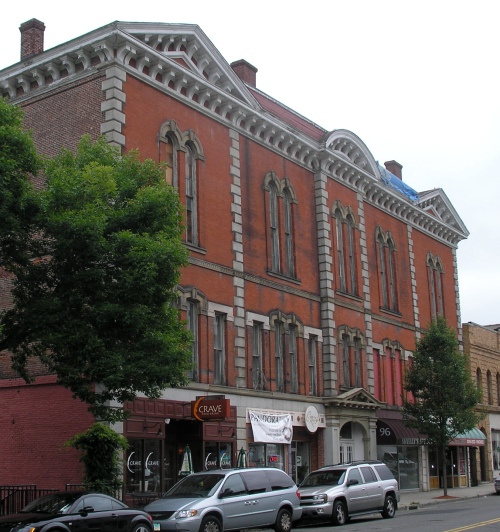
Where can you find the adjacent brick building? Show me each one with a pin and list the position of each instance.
(313, 269)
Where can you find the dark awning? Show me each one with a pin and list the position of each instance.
(404, 435)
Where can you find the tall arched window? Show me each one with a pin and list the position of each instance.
(352, 343)
(479, 384)
(345, 236)
(489, 387)
(386, 251)
(182, 152)
(498, 389)
(275, 232)
(281, 202)
(435, 275)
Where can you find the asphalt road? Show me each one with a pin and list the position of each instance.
(482, 514)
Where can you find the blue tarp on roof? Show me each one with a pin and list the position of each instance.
(390, 179)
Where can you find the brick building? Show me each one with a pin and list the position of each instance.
(312, 270)
(482, 346)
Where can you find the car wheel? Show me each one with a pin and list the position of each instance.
(339, 515)
(141, 528)
(211, 524)
(283, 521)
(389, 510)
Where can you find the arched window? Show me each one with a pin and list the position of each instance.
(498, 389)
(345, 237)
(386, 251)
(352, 343)
(479, 384)
(435, 276)
(281, 202)
(489, 387)
(182, 152)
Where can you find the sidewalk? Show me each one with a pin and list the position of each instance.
(411, 500)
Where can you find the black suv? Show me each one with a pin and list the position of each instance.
(336, 493)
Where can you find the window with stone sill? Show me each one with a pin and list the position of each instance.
(435, 274)
(346, 250)
(386, 256)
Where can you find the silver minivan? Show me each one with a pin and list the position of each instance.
(228, 499)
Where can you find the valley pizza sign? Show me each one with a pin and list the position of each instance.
(207, 408)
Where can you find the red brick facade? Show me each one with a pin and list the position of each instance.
(294, 231)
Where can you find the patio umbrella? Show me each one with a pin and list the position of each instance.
(187, 463)
(242, 458)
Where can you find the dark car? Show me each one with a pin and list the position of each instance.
(76, 510)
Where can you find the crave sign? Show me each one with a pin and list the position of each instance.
(205, 408)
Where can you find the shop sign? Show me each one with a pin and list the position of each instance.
(312, 419)
(205, 408)
(271, 428)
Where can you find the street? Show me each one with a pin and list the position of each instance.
(456, 516)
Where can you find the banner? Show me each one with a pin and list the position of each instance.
(271, 428)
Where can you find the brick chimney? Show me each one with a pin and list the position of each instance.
(395, 168)
(245, 71)
(31, 38)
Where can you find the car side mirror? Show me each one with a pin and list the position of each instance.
(352, 482)
(225, 493)
(86, 510)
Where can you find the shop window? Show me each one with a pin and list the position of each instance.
(218, 455)
(142, 467)
(301, 461)
(266, 455)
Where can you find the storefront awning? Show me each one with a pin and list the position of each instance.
(404, 435)
(471, 438)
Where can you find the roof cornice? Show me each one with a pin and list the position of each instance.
(181, 60)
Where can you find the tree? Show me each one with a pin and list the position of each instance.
(18, 160)
(94, 273)
(100, 446)
(444, 395)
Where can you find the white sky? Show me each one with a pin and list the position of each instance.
(418, 82)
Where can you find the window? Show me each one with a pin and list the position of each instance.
(435, 275)
(386, 251)
(488, 386)
(278, 356)
(257, 371)
(191, 203)
(281, 198)
(351, 358)
(275, 235)
(292, 350)
(311, 347)
(345, 225)
(289, 253)
(479, 384)
(182, 152)
(498, 389)
(219, 349)
(345, 360)
(192, 325)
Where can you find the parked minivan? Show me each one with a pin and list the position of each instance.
(228, 499)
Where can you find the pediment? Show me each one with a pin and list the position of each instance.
(356, 398)
(436, 204)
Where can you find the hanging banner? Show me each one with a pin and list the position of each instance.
(271, 428)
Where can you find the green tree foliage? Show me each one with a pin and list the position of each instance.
(100, 448)
(18, 160)
(94, 273)
(444, 395)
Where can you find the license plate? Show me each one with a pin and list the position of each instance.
(156, 526)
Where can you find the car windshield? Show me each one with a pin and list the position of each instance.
(324, 478)
(196, 486)
(55, 503)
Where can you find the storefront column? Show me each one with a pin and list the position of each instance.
(332, 444)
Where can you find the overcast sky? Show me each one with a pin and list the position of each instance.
(418, 82)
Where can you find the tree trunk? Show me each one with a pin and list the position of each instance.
(445, 476)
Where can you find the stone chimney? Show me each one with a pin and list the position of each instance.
(245, 71)
(395, 168)
(31, 38)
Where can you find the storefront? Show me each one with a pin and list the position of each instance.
(170, 438)
(464, 461)
(400, 448)
(286, 440)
